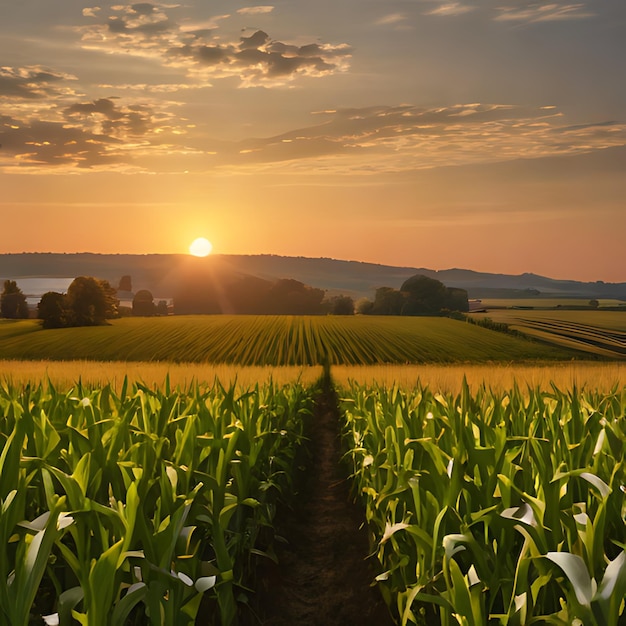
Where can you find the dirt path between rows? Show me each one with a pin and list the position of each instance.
(323, 577)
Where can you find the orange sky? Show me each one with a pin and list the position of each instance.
(484, 135)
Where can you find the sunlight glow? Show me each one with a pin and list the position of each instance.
(200, 247)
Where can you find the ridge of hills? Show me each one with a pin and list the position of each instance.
(161, 273)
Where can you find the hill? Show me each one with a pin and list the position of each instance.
(161, 273)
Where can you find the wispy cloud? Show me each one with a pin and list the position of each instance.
(255, 10)
(392, 18)
(53, 127)
(203, 53)
(450, 9)
(543, 12)
(512, 10)
(33, 82)
(405, 138)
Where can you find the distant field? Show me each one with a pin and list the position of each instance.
(546, 302)
(273, 340)
(602, 333)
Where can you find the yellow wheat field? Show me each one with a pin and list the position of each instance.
(601, 376)
(448, 378)
(64, 374)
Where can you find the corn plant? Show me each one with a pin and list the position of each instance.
(499, 509)
(140, 503)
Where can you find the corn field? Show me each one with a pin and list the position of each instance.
(139, 507)
(493, 508)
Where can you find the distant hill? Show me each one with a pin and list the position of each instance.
(161, 273)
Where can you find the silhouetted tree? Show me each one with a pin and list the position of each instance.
(125, 283)
(52, 310)
(161, 308)
(341, 305)
(364, 306)
(291, 297)
(387, 301)
(13, 302)
(143, 303)
(593, 303)
(86, 302)
(429, 296)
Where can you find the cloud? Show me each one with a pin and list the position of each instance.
(450, 9)
(97, 134)
(33, 82)
(204, 53)
(255, 10)
(392, 18)
(513, 10)
(406, 138)
(543, 12)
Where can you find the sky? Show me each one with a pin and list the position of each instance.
(480, 134)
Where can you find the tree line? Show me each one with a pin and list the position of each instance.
(91, 301)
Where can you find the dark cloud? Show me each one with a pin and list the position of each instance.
(256, 59)
(143, 8)
(255, 40)
(54, 144)
(100, 133)
(30, 82)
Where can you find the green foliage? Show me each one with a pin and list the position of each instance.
(275, 340)
(493, 509)
(143, 303)
(418, 295)
(141, 503)
(88, 302)
(12, 301)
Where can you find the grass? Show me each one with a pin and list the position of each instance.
(273, 340)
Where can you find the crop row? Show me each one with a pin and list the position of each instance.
(493, 508)
(143, 507)
(272, 340)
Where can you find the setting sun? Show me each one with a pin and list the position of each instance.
(200, 247)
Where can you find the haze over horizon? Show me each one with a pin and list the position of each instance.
(481, 134)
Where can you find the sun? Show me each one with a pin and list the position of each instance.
(200, 247)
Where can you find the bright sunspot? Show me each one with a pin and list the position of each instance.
(200, 247)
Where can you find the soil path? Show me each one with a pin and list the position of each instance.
(323, 577)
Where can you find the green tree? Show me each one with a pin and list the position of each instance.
(13, 302)
(52, 310)
(387, 301)
(86, 302)
(341, 305)
(125, 283)
(143, 303)
(429, 296)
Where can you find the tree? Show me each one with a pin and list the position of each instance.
(593, 303)
(52, 310)
(125, 283)
(341, 305)
(111, 302)
(87, 302)
(387, 301)
(291, 297)
(143, 303)
(13, 302)
(429, 296)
